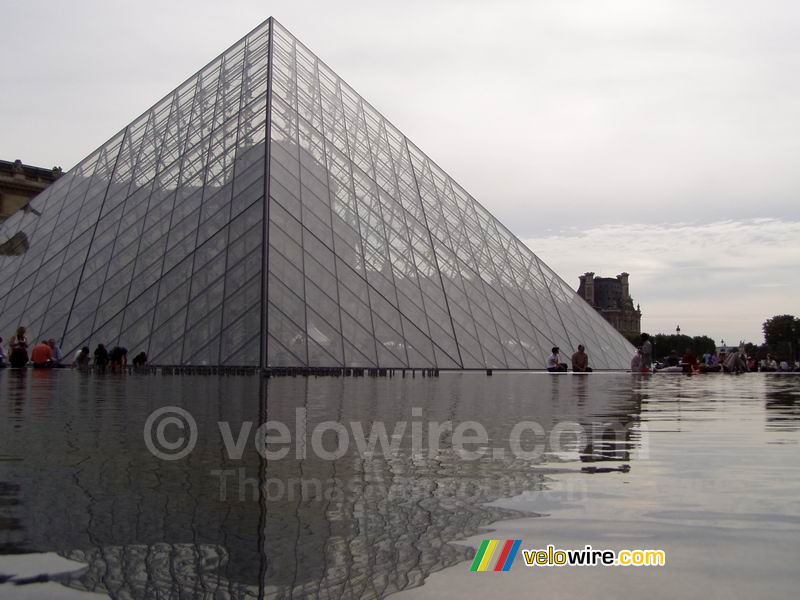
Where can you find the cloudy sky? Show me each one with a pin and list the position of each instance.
(656, 137)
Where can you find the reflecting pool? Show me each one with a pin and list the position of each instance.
(364, 487)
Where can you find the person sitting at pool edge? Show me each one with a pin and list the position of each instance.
(689, 361)
(42, 355)
(140, 360)
(554, 364)
(672, 360)
(580, 361)
(82, 358)
(770, 365)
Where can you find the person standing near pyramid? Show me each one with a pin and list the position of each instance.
(647, 352)
(18, 357)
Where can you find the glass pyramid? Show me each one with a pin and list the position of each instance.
(264, 214)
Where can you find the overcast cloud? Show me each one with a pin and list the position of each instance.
(655, 125)
(712, 279)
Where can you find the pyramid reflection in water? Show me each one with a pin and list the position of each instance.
(374, 256)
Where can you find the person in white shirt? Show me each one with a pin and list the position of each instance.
(636, 362)
(770, 364)
(554, 363)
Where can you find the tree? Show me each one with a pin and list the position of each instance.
(758, 352)
(702, 344)
(780, 335)
(633, 338)
(667, 342)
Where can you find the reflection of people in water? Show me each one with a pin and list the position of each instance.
(612, 443)
(783, 407)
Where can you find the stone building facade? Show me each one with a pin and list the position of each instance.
(610, 296)
(19, 183)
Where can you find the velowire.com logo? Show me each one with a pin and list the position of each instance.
(507, 553)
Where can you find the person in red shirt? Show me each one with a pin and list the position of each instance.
(42, 355)
(689, 361)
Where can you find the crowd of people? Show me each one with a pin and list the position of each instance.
(47, 355)
(723, 361)
(735, 361)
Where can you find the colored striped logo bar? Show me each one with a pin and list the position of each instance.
(507, 552)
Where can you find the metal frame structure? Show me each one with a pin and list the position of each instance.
(263, 214)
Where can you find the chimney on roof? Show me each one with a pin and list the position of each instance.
(588, 280)
(623, 279)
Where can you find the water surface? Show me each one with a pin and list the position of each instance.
(705, 467)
